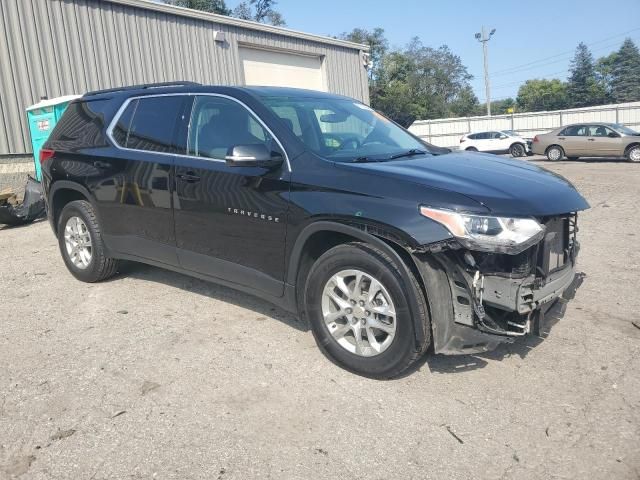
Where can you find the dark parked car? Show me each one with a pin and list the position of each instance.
(318, 204)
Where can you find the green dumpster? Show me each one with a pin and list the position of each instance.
(42, 117)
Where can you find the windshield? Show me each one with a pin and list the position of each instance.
(623, 129)
(344, 130)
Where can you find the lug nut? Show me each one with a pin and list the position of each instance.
(362, 303)
(349, 311)
(353, 302)
(363, 321)
(367, 313)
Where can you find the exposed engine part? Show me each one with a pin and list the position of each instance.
(468, 257)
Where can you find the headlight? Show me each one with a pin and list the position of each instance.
(488, 234)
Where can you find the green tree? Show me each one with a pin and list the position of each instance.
(537, 95)
(583, 88)
(397, 101)
(211, 6)
(262, 11)
(625, 73)
(502, 107)
(604, 74)
(420, 82)
(465, 103)
(378, 47)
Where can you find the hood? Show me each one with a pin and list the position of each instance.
(504, 186)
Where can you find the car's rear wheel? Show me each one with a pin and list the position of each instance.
(633, 154)
(573, 158)
(517, 150)
(359, 306)
(555, 153)
(472, 149)
(81, 244)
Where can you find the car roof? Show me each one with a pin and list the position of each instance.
(589, 123)
(189, 87)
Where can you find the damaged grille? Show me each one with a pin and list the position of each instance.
(504, 306)
(554, 250)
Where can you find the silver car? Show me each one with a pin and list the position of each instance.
(588, 140)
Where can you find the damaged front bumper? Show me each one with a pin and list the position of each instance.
(474, 308)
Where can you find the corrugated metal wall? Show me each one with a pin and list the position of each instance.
(60, 47)
(446, 132)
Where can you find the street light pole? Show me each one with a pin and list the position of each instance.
(484, 38)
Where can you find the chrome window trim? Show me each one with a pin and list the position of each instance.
(126, 103)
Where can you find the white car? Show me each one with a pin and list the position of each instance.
(499, 141)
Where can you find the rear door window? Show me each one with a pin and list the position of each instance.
(150, 124)
(575, 131)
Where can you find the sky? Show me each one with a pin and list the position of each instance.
(534, 39)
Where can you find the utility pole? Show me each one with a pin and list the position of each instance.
(484, 38)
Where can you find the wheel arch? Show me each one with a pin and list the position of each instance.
(63, 192)
(546, 150)
(320, 236)
(630, 146)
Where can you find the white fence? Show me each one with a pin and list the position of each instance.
(446, 132)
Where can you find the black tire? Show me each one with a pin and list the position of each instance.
(555, 153)
(471, 149)
(100, 267)
(517, 150)
(404, 349)
(633, 154)
(573, 158)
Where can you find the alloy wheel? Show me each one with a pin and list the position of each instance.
(517, 151)
(554, 154)
(77, 241)
(359, 312)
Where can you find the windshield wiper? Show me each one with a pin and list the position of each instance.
(364, 159)
(408, 153)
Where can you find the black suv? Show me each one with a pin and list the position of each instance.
(385, 244)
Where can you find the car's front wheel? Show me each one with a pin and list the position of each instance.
(81, 244)
(555, 153)
(517, 150)
(472, 149)
(633, 154)
(359, 305)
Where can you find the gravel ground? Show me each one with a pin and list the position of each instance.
(157, 375)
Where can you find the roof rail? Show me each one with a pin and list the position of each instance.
(141, 87)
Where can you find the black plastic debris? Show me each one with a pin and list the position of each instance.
(31, 208)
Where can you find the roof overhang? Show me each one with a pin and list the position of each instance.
(237, 22)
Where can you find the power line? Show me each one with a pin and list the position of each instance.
(516, 82)
(533, 67)
(544, 75)
(568, 52)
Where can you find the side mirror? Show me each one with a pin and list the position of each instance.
(503, 137)
(257, 155)
(613, 135)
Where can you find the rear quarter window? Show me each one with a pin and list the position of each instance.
(82, 126)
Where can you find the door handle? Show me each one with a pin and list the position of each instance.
(561, 138)
(189, 177)
(591, 139)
